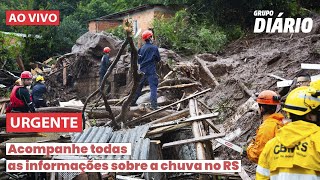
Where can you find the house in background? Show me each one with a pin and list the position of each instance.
(142, 17)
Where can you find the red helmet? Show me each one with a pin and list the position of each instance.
(268, 97)
(147, 34)
(106, 49)
(26, 75)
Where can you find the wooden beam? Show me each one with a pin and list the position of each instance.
(310, 66)
(212, 126)
(64, 73)
(166, 107)
(201, 154)
(193, 140)
(4, 100)
(207, 71)
(172, 117)
(179, 121)
(244, 87)
(165, 129)
(277, 77)
(244, 175)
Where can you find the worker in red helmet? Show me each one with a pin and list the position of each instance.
(20, 99)
(105, 63)
(148, 57)
(268, 102)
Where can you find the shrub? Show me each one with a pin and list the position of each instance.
(183, 34)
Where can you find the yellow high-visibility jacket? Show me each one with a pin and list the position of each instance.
(293, 154)
(267, 130)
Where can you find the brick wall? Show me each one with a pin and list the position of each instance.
(98, 26)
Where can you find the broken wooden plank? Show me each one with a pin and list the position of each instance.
(244, 87)
(64, 73)
(178, 86)
(310, 66)
(3, 108)
(212, 126)
(127, 177)
(167, 129)
(193, 140)
(244, 175)
(285, 83)
(277, 77)
(2, 100)
(166, 107)
(179, 121)
(207, 71)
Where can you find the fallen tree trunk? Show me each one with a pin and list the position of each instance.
(207, 71)
(134, 69)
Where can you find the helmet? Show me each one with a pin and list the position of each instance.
(147, 34)
(39, 78)
(26, 75)
(106, 50)
(315, 84)
(268, 97)
(301, 101)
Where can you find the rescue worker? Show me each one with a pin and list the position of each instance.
(303, 80)
(20, 99)
(148, 57)
(38, 92)
(300, 80)
(272, 121)
(295, 151)
(105, 63)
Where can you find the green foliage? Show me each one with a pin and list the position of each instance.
(183, 34)
(233, 32)
(11, 47)
(118, 32)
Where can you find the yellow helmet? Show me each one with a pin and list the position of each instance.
(39, 78)
(315, 84)
(302, 100)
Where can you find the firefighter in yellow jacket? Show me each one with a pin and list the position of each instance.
(272, 121)
(295, 151)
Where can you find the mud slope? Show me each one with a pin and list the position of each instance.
(250, 60)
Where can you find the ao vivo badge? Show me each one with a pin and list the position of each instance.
(44, 122)
(32, 17)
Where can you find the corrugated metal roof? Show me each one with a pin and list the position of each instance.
(140, 145)
(136, 136)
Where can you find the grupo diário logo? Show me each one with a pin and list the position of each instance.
(267, 23)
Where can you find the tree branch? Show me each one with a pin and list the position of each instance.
(103, 84)
(134, 70)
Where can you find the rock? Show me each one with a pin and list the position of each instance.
(167, 55)
(93, 43)
(208, 57)
(220, 69)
